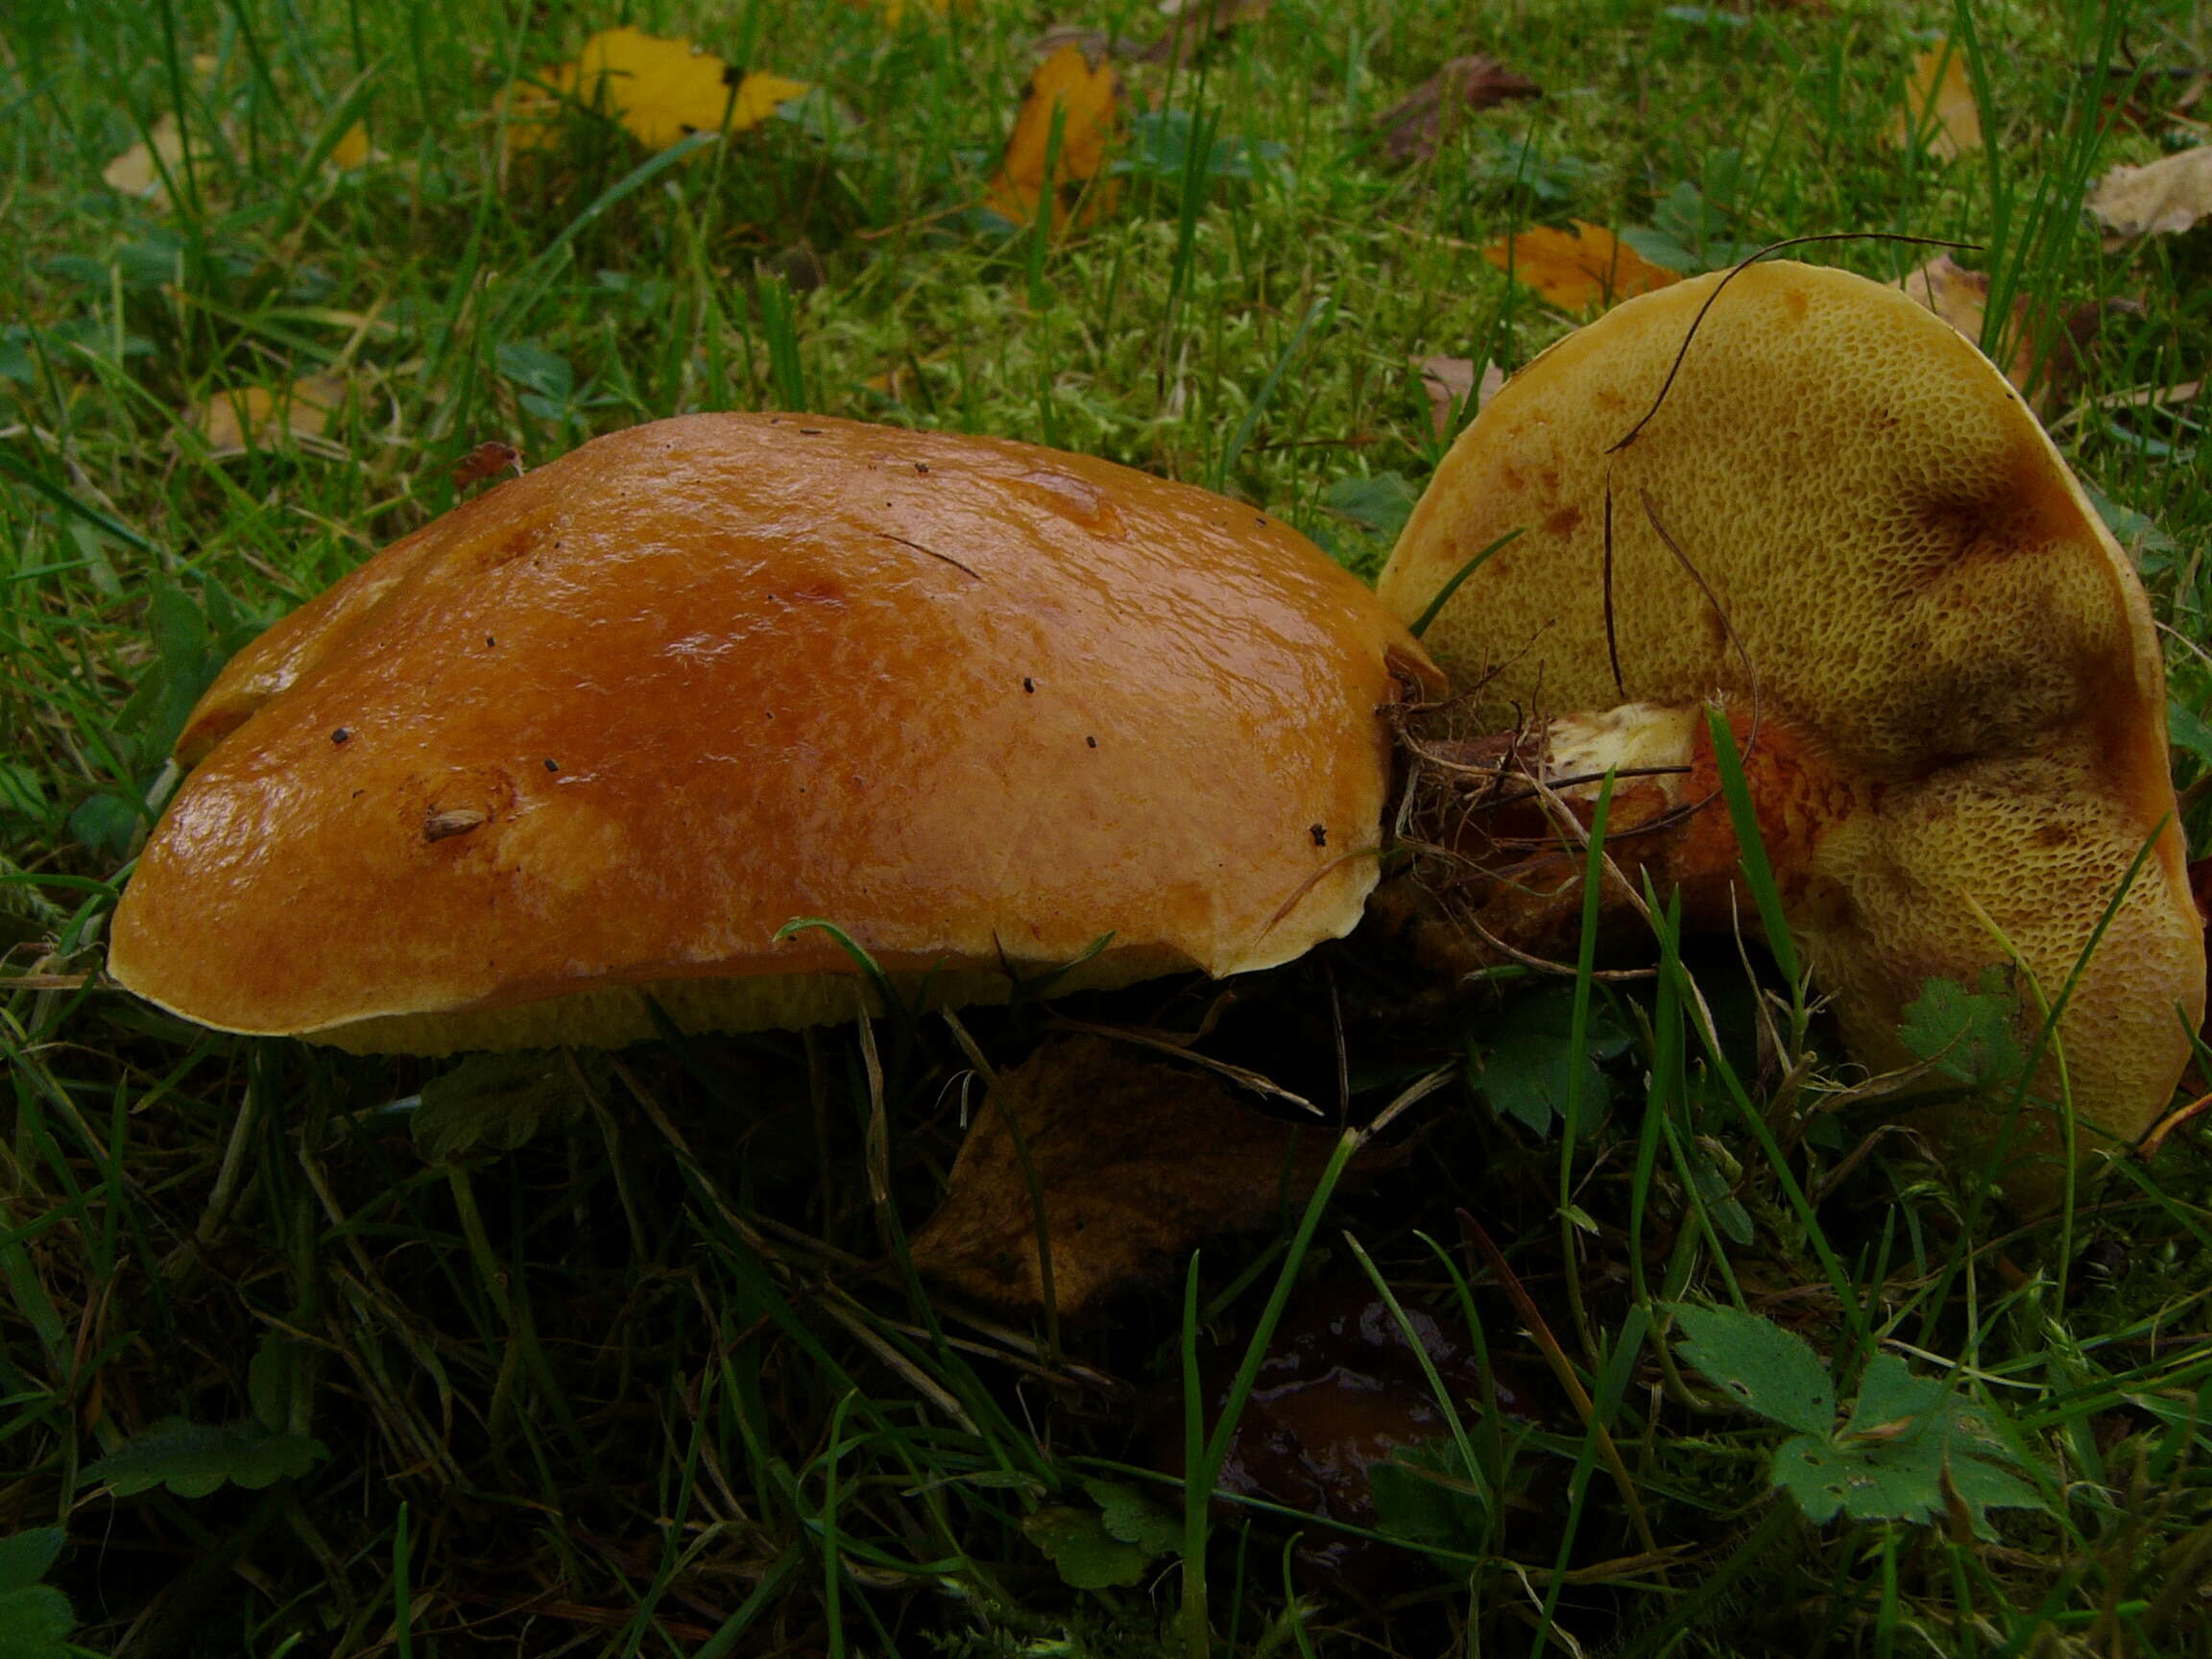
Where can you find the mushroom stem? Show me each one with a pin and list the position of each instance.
(1505, 820)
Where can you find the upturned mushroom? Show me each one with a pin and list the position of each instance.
(1798, 496)
(588, 744)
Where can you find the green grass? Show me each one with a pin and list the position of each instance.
(661, 1379)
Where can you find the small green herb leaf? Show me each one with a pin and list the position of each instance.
(1382, 503)
(1422, 1494)
(35, 1617)
(1766, 1368)
(1524, 1075)
(29, 1556)
(495, 1103)
(1968, 1034)
(1089, 1557)
(1128, 1515)
(193, 1459)
(33, 1623)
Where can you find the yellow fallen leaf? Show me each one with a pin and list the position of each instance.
(1572, 270)
(661, 90)
(2166, 197)
(351, 149)
(1067, 81)
(1940, 113)
(254, 416)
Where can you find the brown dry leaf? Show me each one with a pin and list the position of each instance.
(489, 457)
(1940, 113)
(1136, 1161)
(1095, 43)
(254, 416)
(1574, 270)
(1414, 130)
(1068, 81)
(894, 10)
(1452, 384)
(1962, 299)
(1193, 23)
(2162, 199)
(661, 90)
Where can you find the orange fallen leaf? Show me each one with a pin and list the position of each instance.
(1413, 131)
(1134, 1162)
(661, 90)
(1940, 113)
(255, 417)
(1574, 270)
(1065, 81)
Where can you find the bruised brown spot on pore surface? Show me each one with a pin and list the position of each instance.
(1563, 523)
(1794, 302)
(2022, 508)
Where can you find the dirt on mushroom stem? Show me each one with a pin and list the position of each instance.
(1498, 824)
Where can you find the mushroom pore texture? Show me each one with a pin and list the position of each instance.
(1841, 526)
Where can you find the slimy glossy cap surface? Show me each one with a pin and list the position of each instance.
(601, 732)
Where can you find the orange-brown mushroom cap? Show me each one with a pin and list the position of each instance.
(598, 734)
(1961, 658)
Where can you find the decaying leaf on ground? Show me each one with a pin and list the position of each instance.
(1579, 268)
(136, 171)
(487, 460)
(1093, 43)
(894, 10)
(1453, 386)
(2162, 199)
(661, 90)
(1938, 114)
(258, 417)
(1087, 98)
(1962, 299)
(1134, 1160)
(1193, 23)
(1432, 111)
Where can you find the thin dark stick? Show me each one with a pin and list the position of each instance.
(1611, 641)
(1698, 322)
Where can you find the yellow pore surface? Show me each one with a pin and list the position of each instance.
(1901, 569)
